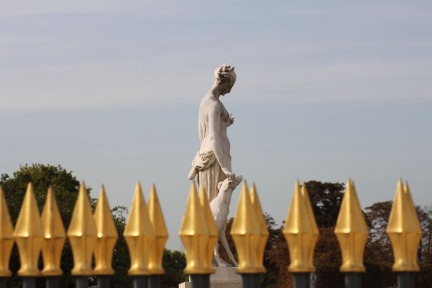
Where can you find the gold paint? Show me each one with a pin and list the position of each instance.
(195, 236)
(6, 236)
(28, 235)
(246, 233)
(351, 231)
(54, 236)
(161, 233)
(82, 234)
(404, 230)
(301, 231)
(211, 225)
(139, 235)
(106, 236)
(259, 215)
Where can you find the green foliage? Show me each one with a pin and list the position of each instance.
(326, 199)
(66, 188)
(42, 176)
(174, 262)
(328, 275)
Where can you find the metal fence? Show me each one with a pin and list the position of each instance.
(146, 234)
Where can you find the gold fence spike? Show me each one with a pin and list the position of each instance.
(82, 234)
(6, 236)
(195, 236)
(139, 235)
(54, 236)
(28, 235)
(404, 230)
(246, 234)
(106, 236)
(351, 231)
(211, 225)
(301, 231)
(161, 233)
(264, 233)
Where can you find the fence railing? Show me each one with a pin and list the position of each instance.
(146, 234)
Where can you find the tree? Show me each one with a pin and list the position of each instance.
(66, 188)
(174, 262)
(378, 246)
(326, 199)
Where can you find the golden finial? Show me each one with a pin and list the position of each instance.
(404, 230)
(82, 234)
(139, 235)
(106, 236)
(351, 231)
(211, 225)
(195, 236)
(6, 236)
(246, 234)
(259, 215)
(54, 236)
(161, 233)
(29, 235)
(301, 231)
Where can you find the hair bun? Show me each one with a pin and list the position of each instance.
(225, 71)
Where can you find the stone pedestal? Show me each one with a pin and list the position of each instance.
(224, 277)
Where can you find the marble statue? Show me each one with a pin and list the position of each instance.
(212, 163)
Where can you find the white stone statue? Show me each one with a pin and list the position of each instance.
(212, 162)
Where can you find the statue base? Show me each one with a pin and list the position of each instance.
(224, 277)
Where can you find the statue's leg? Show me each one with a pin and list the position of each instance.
(217, 258)
(224, 241)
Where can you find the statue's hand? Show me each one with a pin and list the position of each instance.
(230, 175)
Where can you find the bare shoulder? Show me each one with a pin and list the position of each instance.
(212, 106)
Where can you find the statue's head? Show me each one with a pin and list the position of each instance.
(225, 78)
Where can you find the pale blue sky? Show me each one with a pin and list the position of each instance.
(325, 90)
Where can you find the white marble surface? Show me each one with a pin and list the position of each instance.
(224, 277)
(212, 162)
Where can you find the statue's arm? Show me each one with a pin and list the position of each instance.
(215, 141)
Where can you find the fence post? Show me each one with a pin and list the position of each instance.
(28, 235)
(404, 231)
(6, 240)
(105, 242)
(82, 235)
(301, 233)
(161, 236)
(54, 238)
(139, 235)
(249, 232)
(352, 232)
(198, 233)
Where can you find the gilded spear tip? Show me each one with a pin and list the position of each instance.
(28, 234)
(404, 230)
(139, 235)
(195, 235)
(106, 235)
(82, 234)
(246, 233)
(54, 236)
(211, 225)
(161, 233)
(300, 231)
(351, 231)
(6, 236)
(264, 233)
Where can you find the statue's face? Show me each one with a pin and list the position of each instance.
(225, 88)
